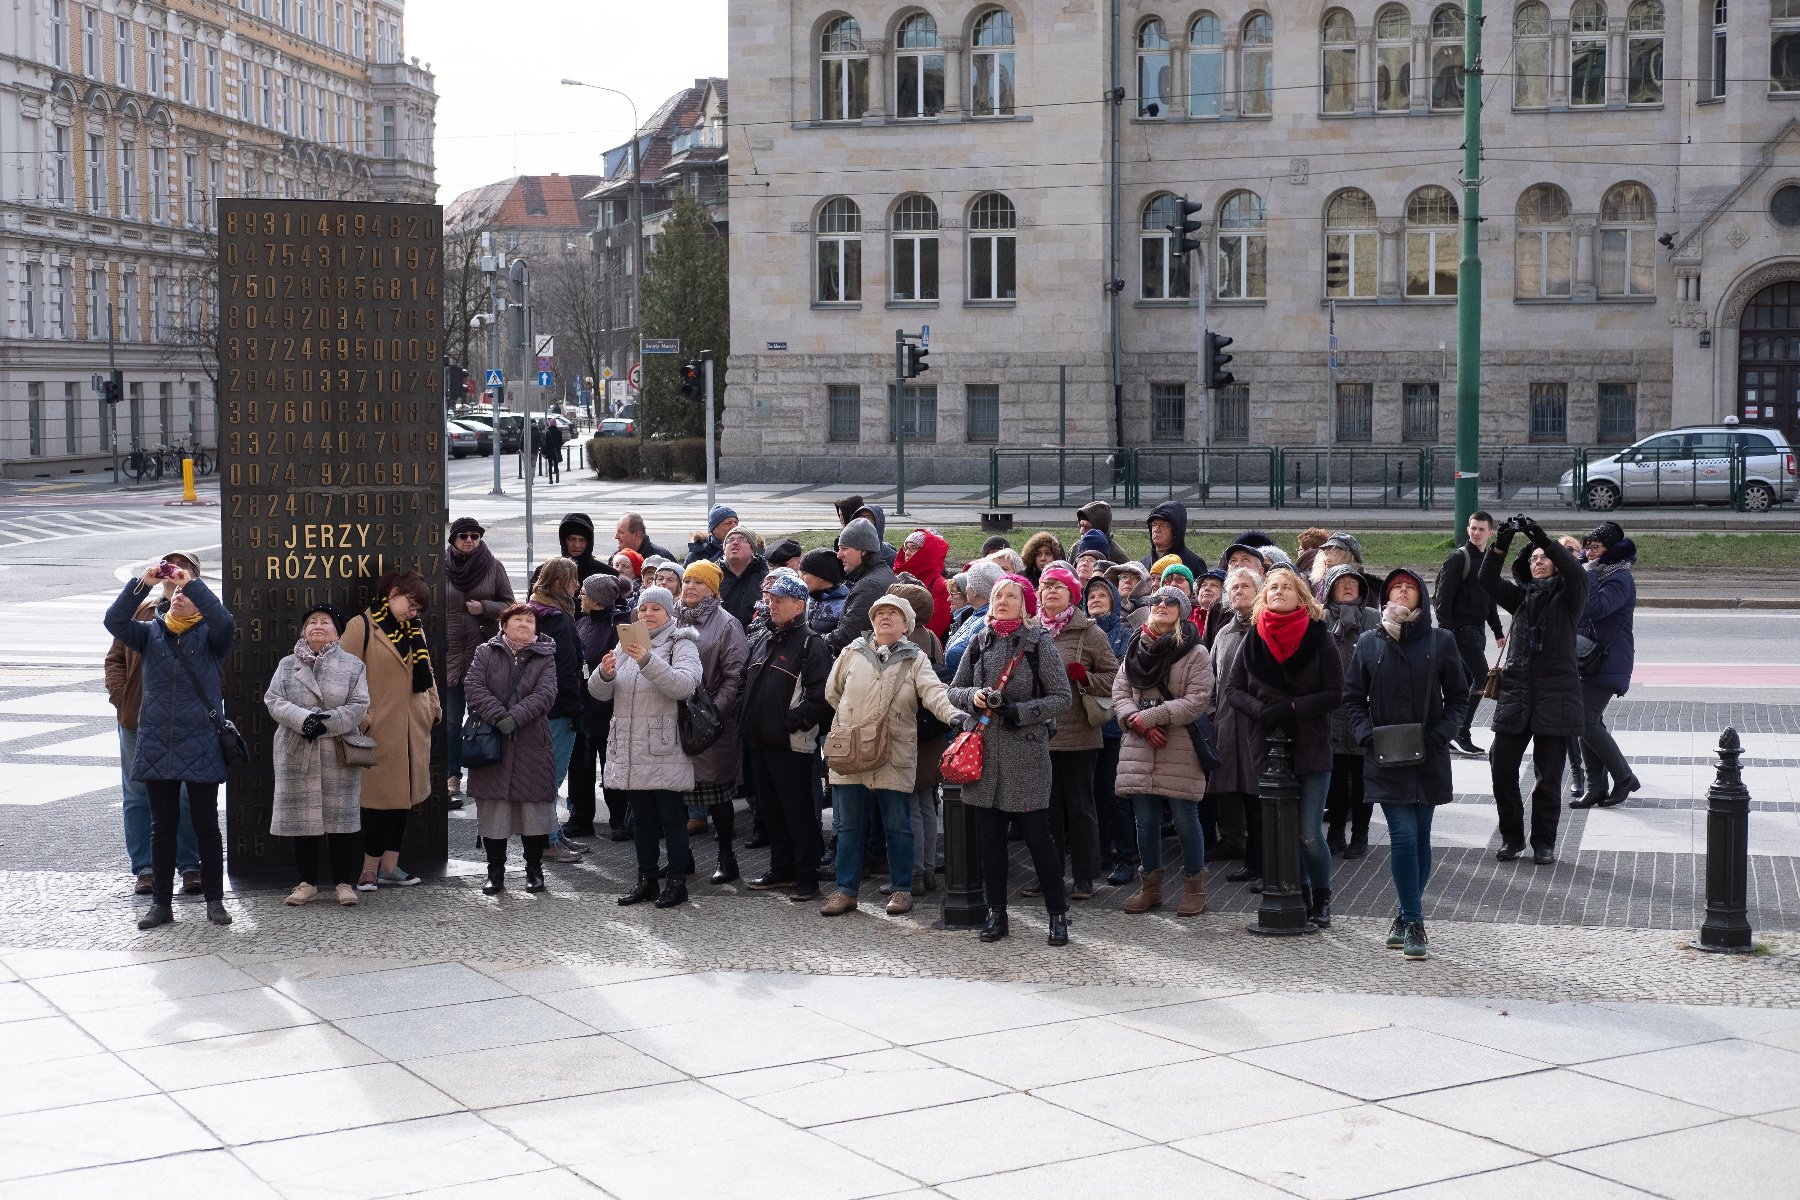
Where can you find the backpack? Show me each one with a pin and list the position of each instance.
(1437, 584)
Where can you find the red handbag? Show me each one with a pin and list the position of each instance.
(962, 758)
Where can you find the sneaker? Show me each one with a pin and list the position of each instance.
(346, 895)
(1121, 875)
(1466, 748)
(1083, 890)
(577, 847)
(840, 903)
(1396, 937)
(396, 878)
(899, 902)
(1416, 946)
(367, 882)
(146, 884)
(453, 785)
(561, 853)
(302, 894)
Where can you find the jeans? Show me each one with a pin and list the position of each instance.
(137, 816)
(455, 709)
(165, 815)
(1547, 756)
(784, 796)
(1073, 822)
(1148, 811)
(1600, 753)
(1315, 855)
(990, 826)
(654, 815)
(850, 804)
(925, 829)
(1471, 644)
(562, 743)
(1409, 841)
(1344, 803)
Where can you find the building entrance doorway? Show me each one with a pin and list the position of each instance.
(1769, 359)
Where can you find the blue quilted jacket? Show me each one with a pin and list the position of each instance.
(176, 740)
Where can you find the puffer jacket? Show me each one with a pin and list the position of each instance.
(1099, 514)
(1118, 636)
(1015, 774)
(1311, 680)
(643, 747)
(1540, 682)
(856, 689)
(1612, 599)
(723, 649)
(1418, 679)
(1233, 733)
(868, 583)
(927, 566)
(526, 772)
(176, 739)
(1347, 623)
(1173, 771)
(313, 794)
(463, 630)
(825, 609)
(1084, 642)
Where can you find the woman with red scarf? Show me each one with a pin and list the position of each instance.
(1289, 677)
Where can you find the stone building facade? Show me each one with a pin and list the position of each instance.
(123, 122)
(1640, 242)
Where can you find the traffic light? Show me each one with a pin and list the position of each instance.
(693, 382)
(1217, 360)
(113, 389)
(456, 383)
(1187, 226)
(915, 360)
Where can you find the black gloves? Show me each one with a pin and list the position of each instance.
(1281, 712)
(313, 726)
(507, 725)
(1007, 715)
(796, 722)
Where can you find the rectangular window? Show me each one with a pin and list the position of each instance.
(154, 65)
(96, 174)
(90, 43)
(60, 307)
(1617, 425)
(991, 83)
(1644, 61)
(844, 403)
(60, 180)
(984, 411)
(1155, 83)
(1393, 76)
(389, 132)
(159, 184)
(306, 110)
(1531, 73)
(1338, 70)
(1419, 412)
(1356, 412)
(1231, 413)
(28, 302)
(287, 104)
(187, 70)
(1168, 412)
(34, 419)
(1541, 259)
(1550, 412)
(159, 307)
(129, 330)
(304, 12)
(1350, 265)
(843, 88)
(915, 275)
(993, 267)
(1628, 261)
(1587, 73)
(71, 418)
(122, 57)
(214, 101)
(337, 26)
(920, 414)
(356, 33)
(215, 171)
(1718, 64)
(1784, 46)
(59, 34)
(97, 314)
(918, 85)
(190, 189)
(128, 179)
(266, 96)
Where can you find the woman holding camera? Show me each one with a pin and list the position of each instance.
(183, 656)
(1540, 701)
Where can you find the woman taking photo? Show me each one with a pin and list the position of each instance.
(317, 694)
(512, 686)
(1405, 673)
(389, 638)
(476, 591)
(183, 653)
(1012, 674)
(1090, 664)
(1288, 676)
(645, 765)
(1164, 686)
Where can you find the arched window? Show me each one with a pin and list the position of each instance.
(993, 248)
(1541, 243)
(1432, 243)
(1154, 70)
(1337, 62)
(839, 252)
(1720, 12)
(1644, 52)
(915, 249)
(991, 65)
(918, 68)
(843, 71)
(1350, 241)
(1165, 273)
(1531, 56)
(1256, 66)
(1587, 54)
(1206, 66)
(1447, 59)
(1243, 252)
(1393, 59)
(1628, 241)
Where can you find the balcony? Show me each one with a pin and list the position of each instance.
(702, 137)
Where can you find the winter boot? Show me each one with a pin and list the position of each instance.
(674, 892)
(1059, 929)
(1318, 911)
(534, 862)
(1193, 895)
(728, 865)
(995, 929)
(645, 890)
(496, 872)
(1149, 893)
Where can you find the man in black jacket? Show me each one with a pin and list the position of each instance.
(1464, 607)
(744, 571)
(869, 577)
(1168, 524)
(632, 535)
(783, 704)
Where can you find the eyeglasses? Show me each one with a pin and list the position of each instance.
(468, 537)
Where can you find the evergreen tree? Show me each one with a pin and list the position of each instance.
(687, 295)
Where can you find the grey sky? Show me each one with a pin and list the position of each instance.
(501, 110)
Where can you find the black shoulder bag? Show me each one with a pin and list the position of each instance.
(232, 747)
(481, 743)
(697, 719)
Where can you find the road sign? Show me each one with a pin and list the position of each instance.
(662, 345)
(925, 337)
(544, 378)
(636, 376)
(546, 345)
(606, 372)
(496, 378)
(545, 363)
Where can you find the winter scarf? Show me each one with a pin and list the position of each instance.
(1007, 627)
(1281, 632)
(467, 571)
(698, 614)
(1150, 656)
(1344, 616)
(1394, 617)
(1060, 621)
(545, 603)
(408, 638)
(180, 625)
(304, 653)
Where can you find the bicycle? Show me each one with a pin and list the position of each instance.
(203, 463)
(141, 465)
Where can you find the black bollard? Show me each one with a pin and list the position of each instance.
(965, 902)
(1726, 929)
(1283, 911)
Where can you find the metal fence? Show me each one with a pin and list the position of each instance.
(1217, 477)
(1084, 475)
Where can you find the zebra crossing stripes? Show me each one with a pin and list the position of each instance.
(76, 523)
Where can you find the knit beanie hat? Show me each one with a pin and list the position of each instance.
(1178, 596)
(707, 573)
(661, 597)
(1064, 576)
(1607, 533)
(1164, 563)
(1092, 542)
(1275, 556)
(718, 513)
(898, 605)
(749, 535)
(784, 552)
(787, 584)
(860, 535)
(331, 610)
(635, 559)
(823, 564)
(465, 525)
(1177, 569)
(982, 575)
(604, 590)
(1031, 605)
(992, 543)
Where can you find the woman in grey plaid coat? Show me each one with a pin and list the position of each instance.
(317, 693)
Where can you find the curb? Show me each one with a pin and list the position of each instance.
(1716, 602)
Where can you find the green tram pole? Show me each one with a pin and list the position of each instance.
(1468, 284)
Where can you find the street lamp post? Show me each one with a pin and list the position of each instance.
(637, 206)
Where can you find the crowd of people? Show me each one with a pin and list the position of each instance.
(1109, 704)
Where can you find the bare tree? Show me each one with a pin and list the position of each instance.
(570, 294)
(465, 295)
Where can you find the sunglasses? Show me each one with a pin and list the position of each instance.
(1165, 602)
(468, 537)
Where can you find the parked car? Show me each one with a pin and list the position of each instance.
(617, 427)
(484, 435)
(511, 425)
(460, 441)
(1691, 465)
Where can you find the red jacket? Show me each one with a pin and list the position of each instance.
(928, 566)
